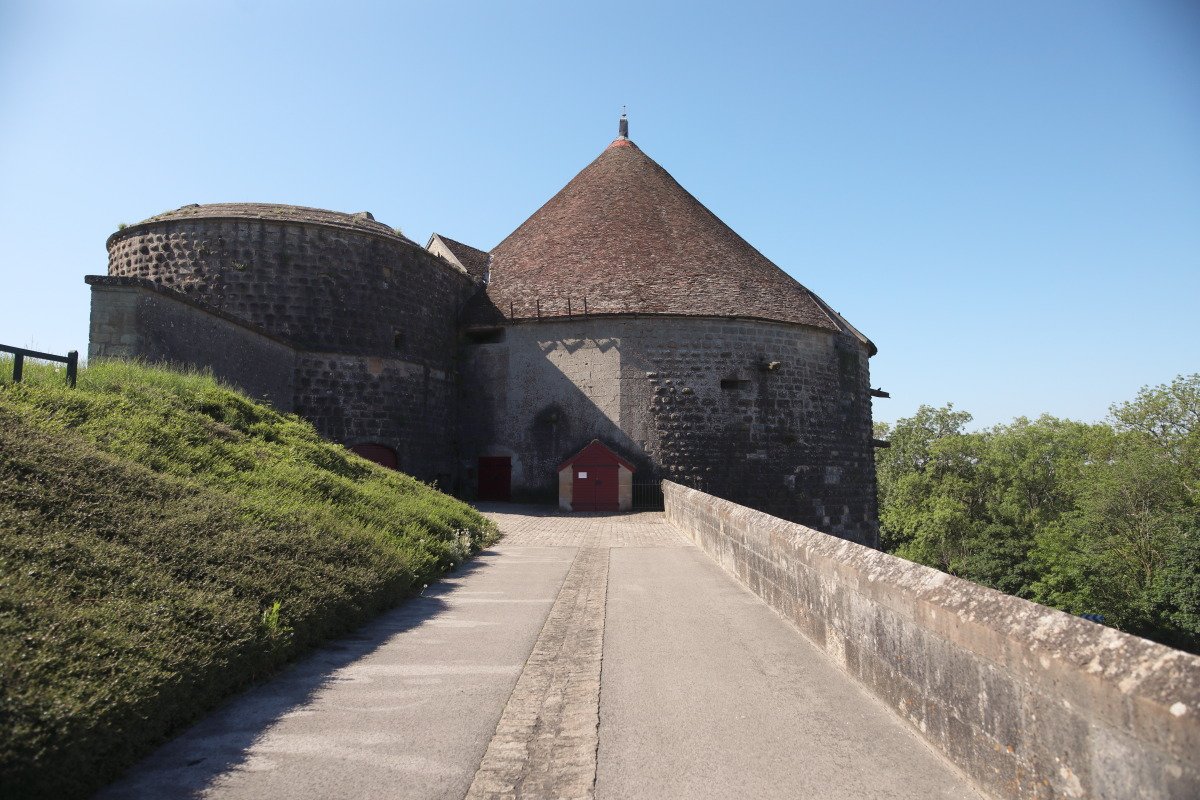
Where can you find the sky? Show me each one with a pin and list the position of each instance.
(1004, 196)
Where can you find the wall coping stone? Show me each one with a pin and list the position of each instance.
(170, 222)
(130, 282)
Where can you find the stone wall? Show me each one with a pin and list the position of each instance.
(1029, 702)
(771, 415)
(134, 318)
(372, 316)
(322, 288)
(403, 405)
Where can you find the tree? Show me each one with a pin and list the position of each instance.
(1169, 413)
(911, 441)
(1109, 551)
(1090, 518)
(971, 503)
(1131, 546)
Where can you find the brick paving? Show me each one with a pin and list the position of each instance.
(543, 526)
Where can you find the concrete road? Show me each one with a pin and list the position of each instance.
(585, 656)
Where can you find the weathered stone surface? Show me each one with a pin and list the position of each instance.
(135, 319)
(407, 405)
(370, 317)
(1028, 701)
(775, 415)
(322, 288)
(689, 399)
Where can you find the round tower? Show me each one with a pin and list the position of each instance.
(624, 310)
(369, 316)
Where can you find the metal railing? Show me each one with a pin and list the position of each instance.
(561, 307)
(647, 495)
(71, 359)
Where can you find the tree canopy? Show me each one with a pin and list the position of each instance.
(1096, 518)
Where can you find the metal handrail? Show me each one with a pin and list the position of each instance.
(71, 359)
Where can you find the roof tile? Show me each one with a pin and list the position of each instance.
(474, 261)
(624, 237)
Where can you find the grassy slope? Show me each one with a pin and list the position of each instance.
(149, 522)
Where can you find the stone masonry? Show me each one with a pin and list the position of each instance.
(1029, 702)
(623, 310)
(370, 319)
(766, 414)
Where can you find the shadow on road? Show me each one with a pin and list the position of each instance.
(220, 743)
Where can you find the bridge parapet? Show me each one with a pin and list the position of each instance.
(1028, 701)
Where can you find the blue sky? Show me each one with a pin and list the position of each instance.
(1004, 195)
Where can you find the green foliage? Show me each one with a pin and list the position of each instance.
(1128, 547)
(1101, 518)
(270, 619)
(164, 542)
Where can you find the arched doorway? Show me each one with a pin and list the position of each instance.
(495, 478)
(380, 454)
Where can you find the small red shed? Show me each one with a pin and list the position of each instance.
(595, 479)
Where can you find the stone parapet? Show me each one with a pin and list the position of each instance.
(405, 405)
(1029, 702)
(134, 318)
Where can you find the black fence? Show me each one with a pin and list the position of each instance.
(71, 359)
(647, 495)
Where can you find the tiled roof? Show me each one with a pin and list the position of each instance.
(474, 261)
(362, 221)
(593, 452)
(625, 237)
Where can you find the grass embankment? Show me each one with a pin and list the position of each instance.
(165, 541)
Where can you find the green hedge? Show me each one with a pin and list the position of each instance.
(164, 541)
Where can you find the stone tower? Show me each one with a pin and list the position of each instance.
(622, 311)
(625, 310)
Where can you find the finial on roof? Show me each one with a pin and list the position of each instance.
(623, 127)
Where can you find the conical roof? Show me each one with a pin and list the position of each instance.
(627, 238)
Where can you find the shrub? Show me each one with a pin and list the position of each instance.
(166, 541)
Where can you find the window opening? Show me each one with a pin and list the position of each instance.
(485, 336)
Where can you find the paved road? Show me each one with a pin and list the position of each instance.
(584, 656)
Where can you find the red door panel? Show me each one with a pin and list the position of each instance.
(594, 487)
(380, 454)
(495, 478)
(606, 488)
(583, 491)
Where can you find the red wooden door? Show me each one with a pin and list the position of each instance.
(583, 490)
(495, 478)
(594, 487)
(378, 453)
